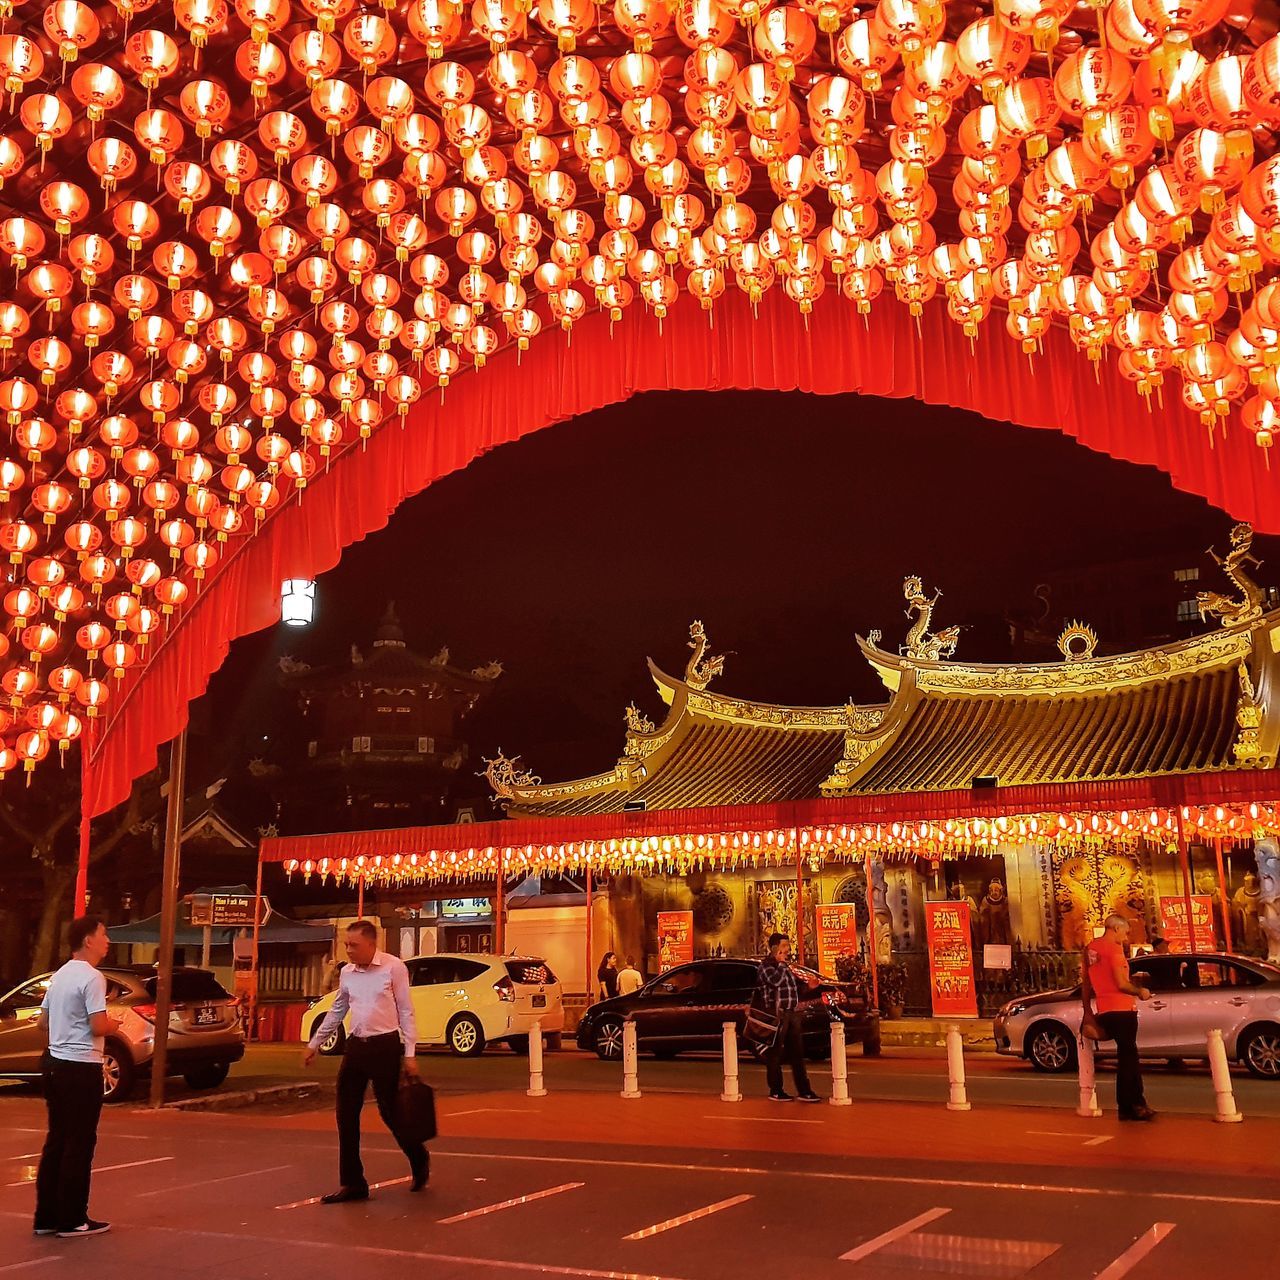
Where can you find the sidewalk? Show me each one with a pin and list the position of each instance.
(921, 1033)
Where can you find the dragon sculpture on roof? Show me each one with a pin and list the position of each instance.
(1229, 611)
(922, 643)
(701, 670)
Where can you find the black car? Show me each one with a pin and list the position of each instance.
(685, 1008)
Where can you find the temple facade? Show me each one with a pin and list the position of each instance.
(945, 728)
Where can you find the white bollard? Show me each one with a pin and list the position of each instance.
(839, 1068)
(1088, 1104)
(958, 1100)
(630, 1058)
(732, 1090)
(536, 1089)
(1226, 1098)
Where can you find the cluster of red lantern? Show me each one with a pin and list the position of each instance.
(236, 236)
(725, 851)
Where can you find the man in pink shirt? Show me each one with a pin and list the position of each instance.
(1115, 998)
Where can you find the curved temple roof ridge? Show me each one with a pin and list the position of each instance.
(1197, 705)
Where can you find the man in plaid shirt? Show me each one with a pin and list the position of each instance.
(780, 992)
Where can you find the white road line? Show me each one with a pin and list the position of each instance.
(1079, 1137)
(1136, 1252)
(763, 1119)
(513, 1203)
(26, 1155)
(475, 1111)
(30, 1262)
(209, 1182)
(105, 1168)
(877, 1243)
(1099, 1140)
(888, 1179)
(373, 1186)
(671, 1223)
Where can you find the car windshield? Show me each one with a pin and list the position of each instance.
(189, 985)
(530, 971)
(1272, 971)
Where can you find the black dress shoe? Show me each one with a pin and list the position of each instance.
(1138, 1113)
(343, 1194)
(420, 1179)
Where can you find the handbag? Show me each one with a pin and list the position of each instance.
(761, 1026)
(417, 1110)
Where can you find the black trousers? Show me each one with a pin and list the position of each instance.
(371, 1062)
(73, 1099)
(1122, 1027)
(788, 1044)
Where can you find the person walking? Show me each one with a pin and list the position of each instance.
(607, 975)
(1116, 999)
(74, 1019)
(779, 992)
(379, 1048)
(630, 979)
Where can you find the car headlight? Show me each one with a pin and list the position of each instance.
(1012, 1010)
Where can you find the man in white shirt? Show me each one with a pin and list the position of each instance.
(73, 1015)
(380, 1045)
(629, 979)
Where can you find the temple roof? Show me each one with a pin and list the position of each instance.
(1200, 705)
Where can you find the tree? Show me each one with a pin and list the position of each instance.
(44, 819)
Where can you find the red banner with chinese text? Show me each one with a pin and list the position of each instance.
(837, 934)
(1173, 923)
(951, 985)
(675, 939)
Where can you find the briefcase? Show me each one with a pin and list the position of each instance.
(761, 1026)
(417, 1104)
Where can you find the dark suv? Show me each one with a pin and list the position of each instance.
(685, 1008)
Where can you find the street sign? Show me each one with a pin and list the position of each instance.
(220, 910)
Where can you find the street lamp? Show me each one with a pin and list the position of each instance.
(297, 602)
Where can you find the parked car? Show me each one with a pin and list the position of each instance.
(1189, 996)
(205, 1036)
(469, 1001)
(686, 1007)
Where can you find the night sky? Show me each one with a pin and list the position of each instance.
(785, 521)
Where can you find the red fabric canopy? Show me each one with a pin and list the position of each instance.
(559, 378)
(1136, 794)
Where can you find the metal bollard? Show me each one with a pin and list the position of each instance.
(536, 1089)
(958, 1100)
(732, 1091)
(839, 1068)
(1225, 1097)
(630, 1056)
(1088, 1104)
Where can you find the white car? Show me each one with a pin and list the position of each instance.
(468, 1001)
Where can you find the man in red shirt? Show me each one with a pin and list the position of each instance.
(1115, 999)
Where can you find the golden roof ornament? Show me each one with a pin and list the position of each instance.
(1247, 747)
(506, 777)
(922, 643)
(1078, 642)
(701, 670)
(637, 721)
(1229, 611)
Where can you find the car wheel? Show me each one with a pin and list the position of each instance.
(208, 1077)
(1261, 1053)
(465, 1036)
(520, 1045)
(118, 1072)
(331, 1046)
(1051, 1047)
(609, 1038)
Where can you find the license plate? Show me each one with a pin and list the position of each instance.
(205, 1017)
(539, 1002)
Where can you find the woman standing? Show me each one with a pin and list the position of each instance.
(607, 975)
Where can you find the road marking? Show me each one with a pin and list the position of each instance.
(28, 1155)
(31, 1262)
(373, 1186)
(106, 1168)
(1059, 1133)
(763, 1119)
(977, 1255)
(1099, 1140)
(874, 1245)
(1136, 1252)
(513, 1203)
(671, 1223)
(209, 1182)
(475, 1111)
(889, 1179)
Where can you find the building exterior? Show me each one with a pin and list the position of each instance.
(381, 736)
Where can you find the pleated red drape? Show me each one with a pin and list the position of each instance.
(559, 378)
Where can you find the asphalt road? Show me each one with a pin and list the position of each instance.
(906, 1075)
(668, 1187)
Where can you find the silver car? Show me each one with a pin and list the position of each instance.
(1190, 995)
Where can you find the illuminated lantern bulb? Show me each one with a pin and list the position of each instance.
(152, 56)
(435, 24)
(50, 357)
(20, 239)
(261, 65)
(863, 52)
(47, 118)
(73, 26)
(1038, 19)
(991, 55)
(1205, 160)
(201, 19)
(567, 20)
(936, 76)
(785, 37)
(65, 203)
(21, 62)
(370, 40)
(1218, 100)
(908, 26)
(1027, 109)
(315, 56)
(1261, 416)
(1260, 195)
(1091, 82)
(1262, 81)
(1176, 22)
(98, 88)
(1121, 141)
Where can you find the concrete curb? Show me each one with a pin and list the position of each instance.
(240, 1098)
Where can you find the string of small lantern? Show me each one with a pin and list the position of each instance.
(244, 236)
